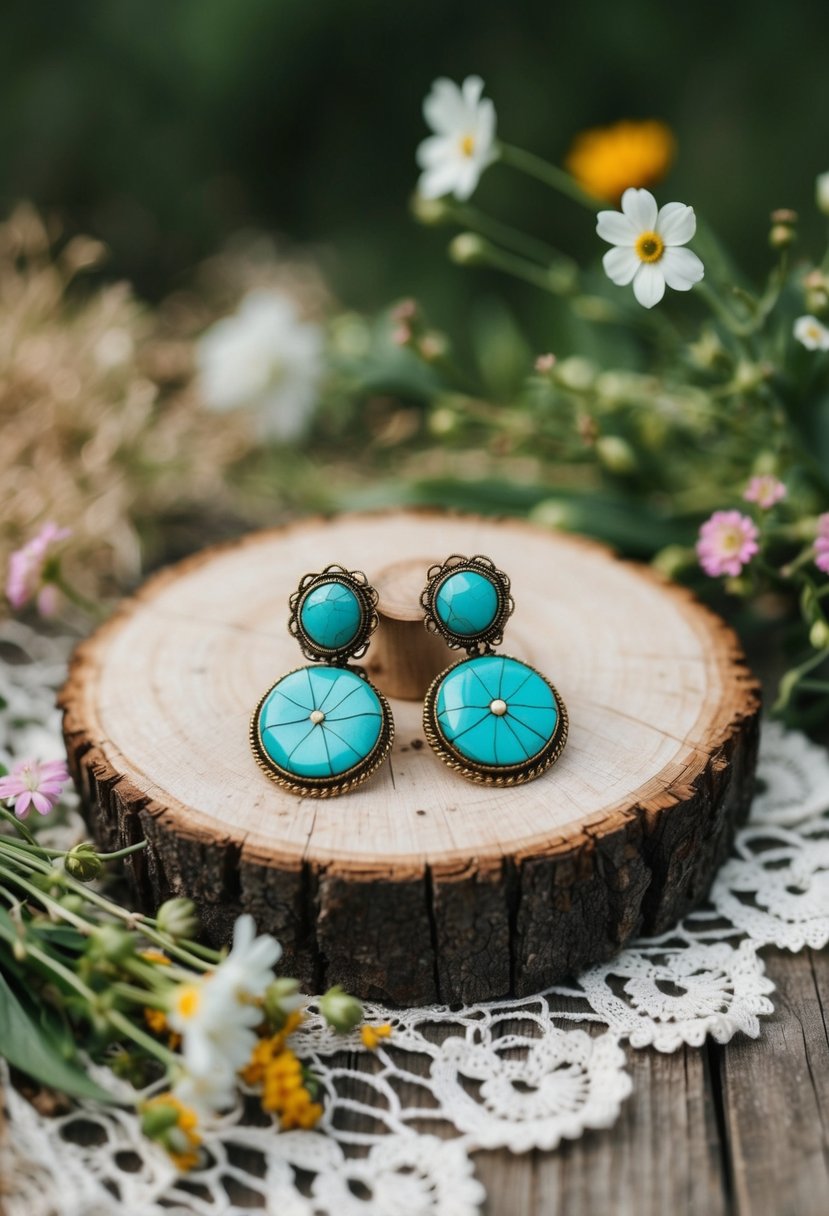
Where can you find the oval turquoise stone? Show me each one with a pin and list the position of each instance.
(352, 719)
(467, 602)
(496, 711)
(331, 615)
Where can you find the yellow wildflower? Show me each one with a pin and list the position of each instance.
(280, 1073)
(156, 1019)
(173, 1125)
(151, 955)
(606, 160)
(371, 1035)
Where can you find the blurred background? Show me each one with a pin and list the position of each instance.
(163, 128)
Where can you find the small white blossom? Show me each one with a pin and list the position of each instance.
(648, 252)
(822, 192)
(216, 1014)
(811, 333)
(264, 358)
(463, 144)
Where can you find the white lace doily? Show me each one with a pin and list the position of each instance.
(516, 1074)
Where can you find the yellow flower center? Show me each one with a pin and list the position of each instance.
(650, 246)
(731, 541)
(188, 1000)
(468, 145)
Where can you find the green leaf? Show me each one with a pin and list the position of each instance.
(31, 1043)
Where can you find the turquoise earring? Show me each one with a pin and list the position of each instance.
(492, 718)
(323, 729)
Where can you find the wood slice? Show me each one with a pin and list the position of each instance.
(420, 886)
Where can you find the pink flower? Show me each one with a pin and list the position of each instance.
(36, 783)
(545, 363)
(822, 543)
(765, 490)
(726, 542)
(28, 574)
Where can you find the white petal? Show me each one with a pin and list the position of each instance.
(432, 151)
(244, 931)
(468, 176)
(640, 208)
(676, 223)
(620, 265)
(616, 228)
(649, 285)
(438, 180)
(444, 108)
(485, 128)
(681, 268)
(473, 86)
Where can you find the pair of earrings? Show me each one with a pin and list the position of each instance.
(324, 728)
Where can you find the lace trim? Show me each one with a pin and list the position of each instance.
(499, 1074)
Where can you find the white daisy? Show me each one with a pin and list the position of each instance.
(648, 252)
(216, 1014)
(265, 358)
(811, 333)
(463, 144)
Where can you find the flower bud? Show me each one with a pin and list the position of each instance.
(575, 373)
(819, 635)
(672, 560)
(178, 918)
(157, 1118)
(545, 364)
(431, 211)
(282, 997)
(443, 421)
(83, 863)
(822, 192)
(340, 1010)
(109, 944)
(72, 902)
(467, 249)
(616, 454)
(553, 513)
(781, 236)
(433, 346)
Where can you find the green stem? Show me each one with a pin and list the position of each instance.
(119, 853)
(814, 685)
(18, 825)
(51, 905)
(520, 268)
(505, 234)
(550, 175)
(139, 996)
(150, 1045)
(75, 597)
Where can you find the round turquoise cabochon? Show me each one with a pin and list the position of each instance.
(467, 602)
(314, 747)
(496, 711)
(331, 615)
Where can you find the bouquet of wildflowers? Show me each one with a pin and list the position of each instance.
(185, 1025)
(698, 436)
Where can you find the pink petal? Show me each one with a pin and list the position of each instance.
(21, 805)
(42, 804)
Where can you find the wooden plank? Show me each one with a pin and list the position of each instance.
(662, 1156)
(776, 1097)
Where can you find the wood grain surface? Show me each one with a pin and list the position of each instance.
(421, 886)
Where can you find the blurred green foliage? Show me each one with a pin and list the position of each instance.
(162, 127)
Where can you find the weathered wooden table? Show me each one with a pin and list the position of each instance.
(740, 1130)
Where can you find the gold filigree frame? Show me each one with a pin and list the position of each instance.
(493, 635)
